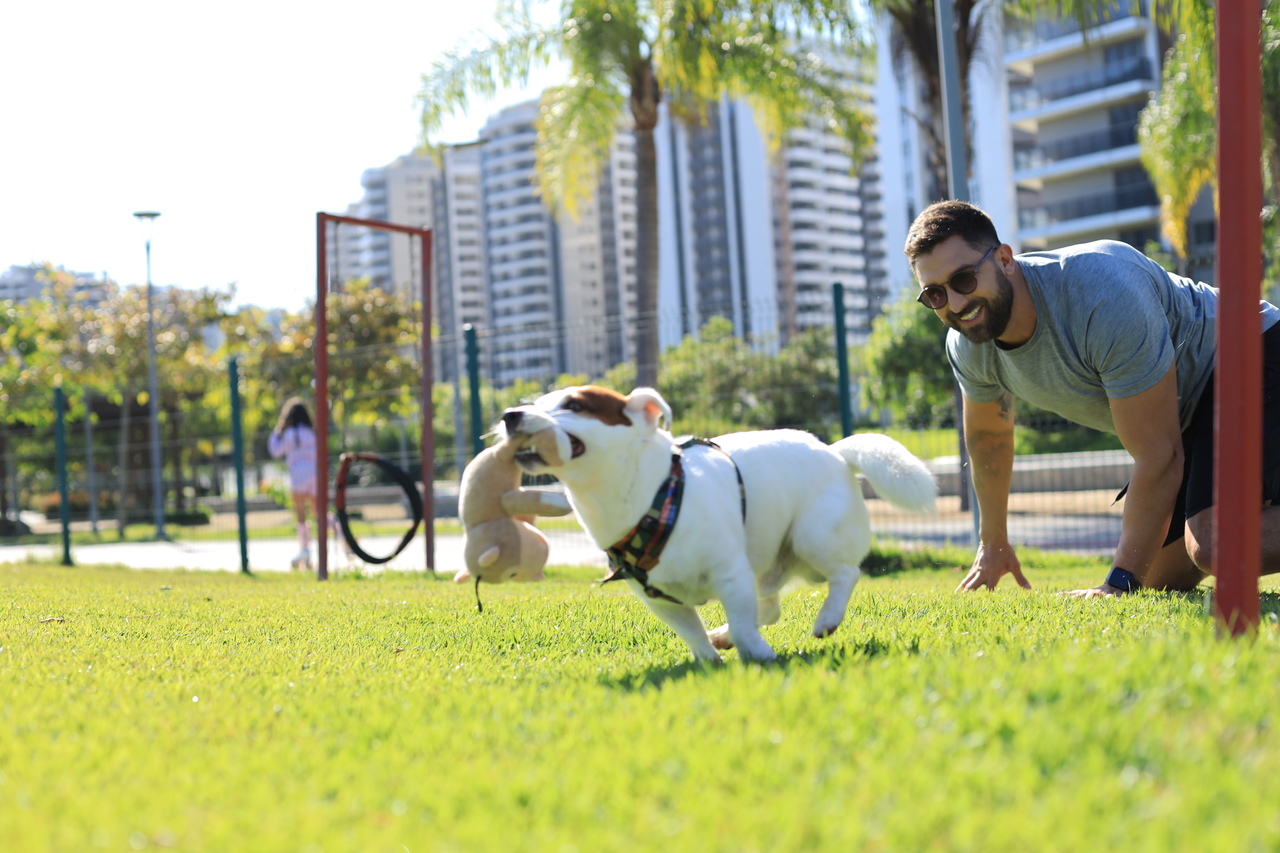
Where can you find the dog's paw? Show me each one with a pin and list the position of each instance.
(764, 654)
(720, 638)
(824, 631)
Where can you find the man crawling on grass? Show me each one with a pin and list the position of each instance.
(1105, 337)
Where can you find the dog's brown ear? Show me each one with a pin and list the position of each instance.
(647, 404)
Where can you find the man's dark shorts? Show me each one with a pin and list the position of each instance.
(1196, 494)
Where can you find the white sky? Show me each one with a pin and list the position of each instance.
(238, 121)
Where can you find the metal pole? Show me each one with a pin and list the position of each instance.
(60, 451)
(958, 179)
(237, 452)
(842, 360)
(957, 159)
(90, 485)
(1237, 521)
(473, 380)
(459, 429)
(322, 398)
(428, 411)
(11, 469)
(157, 473)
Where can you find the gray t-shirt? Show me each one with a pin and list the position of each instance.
(1109, 323)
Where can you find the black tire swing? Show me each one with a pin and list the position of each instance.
(340, 503)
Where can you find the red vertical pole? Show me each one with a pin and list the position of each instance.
(428, 408)
(321, 345)
(1238, 377)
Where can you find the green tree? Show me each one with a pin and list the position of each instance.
(803, 384)
(42, 345)
(1177, 132)
(903, 367)
(275, 361)
(708, 380)
(93, 343)
(38, 351)
(188, 371)
(374, 355)
(718, 383)
(624, 58)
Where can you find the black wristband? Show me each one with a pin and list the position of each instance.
(1123, 580)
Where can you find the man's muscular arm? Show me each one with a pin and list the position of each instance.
(988, 434)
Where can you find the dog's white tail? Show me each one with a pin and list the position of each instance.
(896, 475)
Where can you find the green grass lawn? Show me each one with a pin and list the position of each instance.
(207, 712)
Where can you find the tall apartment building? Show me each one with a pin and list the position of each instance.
(345, 248)
(761, 239)
(1073, 104)
(1054, 157)
(551, 294)
(716, 253)
(828, 229)
(903, 155)
(460, 276)
(521, 252)
(399, 192)
(598, 268)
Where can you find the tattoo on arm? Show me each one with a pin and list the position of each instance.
(1006, 406)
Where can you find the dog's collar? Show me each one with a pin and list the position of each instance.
(633, 556)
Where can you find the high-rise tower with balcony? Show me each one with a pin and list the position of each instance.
(716, 241)
(399, 192)
(520, 246)
(1055, 157)
(760, 239)
(1074, 100)
(827, 230)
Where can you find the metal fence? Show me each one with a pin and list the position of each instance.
(1061, 500)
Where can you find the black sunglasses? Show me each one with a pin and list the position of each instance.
(964, 282)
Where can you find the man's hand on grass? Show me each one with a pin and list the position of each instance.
(993, 561)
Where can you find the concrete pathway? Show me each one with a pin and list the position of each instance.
(273, 555)
(1061, 530)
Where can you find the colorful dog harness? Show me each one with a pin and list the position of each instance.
(633, 556)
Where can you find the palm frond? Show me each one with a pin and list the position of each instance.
(807, 88)
(1170, 15)
(576, 123)
(463, 74)
(603, 38)
(774, 59)
(1177, 133)
(700, 40)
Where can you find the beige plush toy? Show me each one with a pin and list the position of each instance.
(501, 542)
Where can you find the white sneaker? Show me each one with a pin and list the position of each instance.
(301, 560)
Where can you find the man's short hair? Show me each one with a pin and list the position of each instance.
(944, 219)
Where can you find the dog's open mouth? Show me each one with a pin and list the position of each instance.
(529, 458)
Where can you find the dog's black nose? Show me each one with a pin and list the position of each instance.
(511, 419)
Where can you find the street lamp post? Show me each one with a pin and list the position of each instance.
(153, 391)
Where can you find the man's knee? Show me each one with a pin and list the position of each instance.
(1200, 540)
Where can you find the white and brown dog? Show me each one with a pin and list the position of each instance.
(733, 520)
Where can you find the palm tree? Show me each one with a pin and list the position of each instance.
(914, 37)
(1177, 132)
(624, 58)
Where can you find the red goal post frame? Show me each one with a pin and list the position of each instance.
(322, 383)
(1237, 553)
